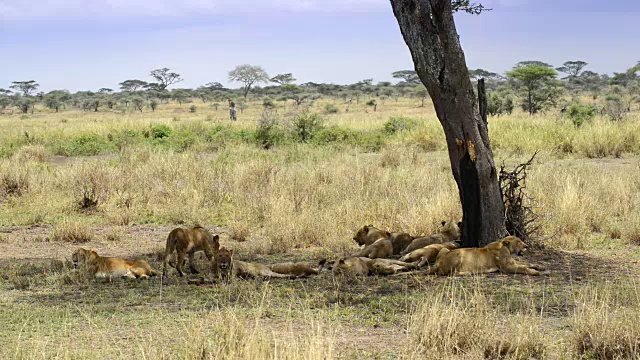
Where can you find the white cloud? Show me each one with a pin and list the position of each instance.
(34, 9)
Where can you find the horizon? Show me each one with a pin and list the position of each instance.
(100, 43)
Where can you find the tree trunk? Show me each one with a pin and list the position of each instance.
(429, 30)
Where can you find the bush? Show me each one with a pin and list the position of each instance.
(331, 109)
(159, 131)
(615, 107)
(153, 104)
(268, 132)
(579, 113)
(306, 125)
(85, 145)
(499, 104)
(399, 124)
(268, 104)
(193, 108)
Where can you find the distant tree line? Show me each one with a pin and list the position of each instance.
(535, 86)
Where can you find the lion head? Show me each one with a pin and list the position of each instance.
(515, 245)
(451, 229)
(224, 261)
(363, 235)
(83, 256)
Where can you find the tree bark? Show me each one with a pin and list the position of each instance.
(429, 31)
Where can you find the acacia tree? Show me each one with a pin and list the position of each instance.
(539, 85)
(164, 78)
(248, 75)
(132, 85)
(572, 68)
(429, 30)
(283, 79)
(27, 87)
(409, 77)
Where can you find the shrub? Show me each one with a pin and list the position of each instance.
(192, 108)
(579, 113)
(14, 182)
(153, 104)
(85, 145)
(335, 134)
(499, 104)
(331, 109)
(614, 107)
(268, 104)
(399, 124)
(306, 125)
(159, 131)
(268, 132)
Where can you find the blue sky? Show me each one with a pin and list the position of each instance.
(88, 44)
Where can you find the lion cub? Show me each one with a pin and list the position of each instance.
(108, 267)
(186, 242)
(226, 268)
(449, 232)
(496, 256)
(376, 242)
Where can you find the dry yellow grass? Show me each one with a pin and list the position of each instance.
(304, 197)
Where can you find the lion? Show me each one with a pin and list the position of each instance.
(428, 253)
(298, 269)
(188, 242)
(108, 267)
(376, 242)
(400, 241)
(226, 268)
(362, 266)
(449, 232)
(496, 256)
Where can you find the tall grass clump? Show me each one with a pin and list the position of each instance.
(72, 232)
(455, 322)
(605, 322)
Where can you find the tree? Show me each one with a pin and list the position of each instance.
(5, 100)
(105, 90)
(56, 99)
(5, 91)
(539, 86)
(429, 30)
(478, 74)
(132, 85)
(180, 95)
(422, 93)
(533, 63)
(283, 79)
(572, 68)
(248, 75)
(164, 78)
(27, 87)
(409, 77)
(213, 86)
(138, 103)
